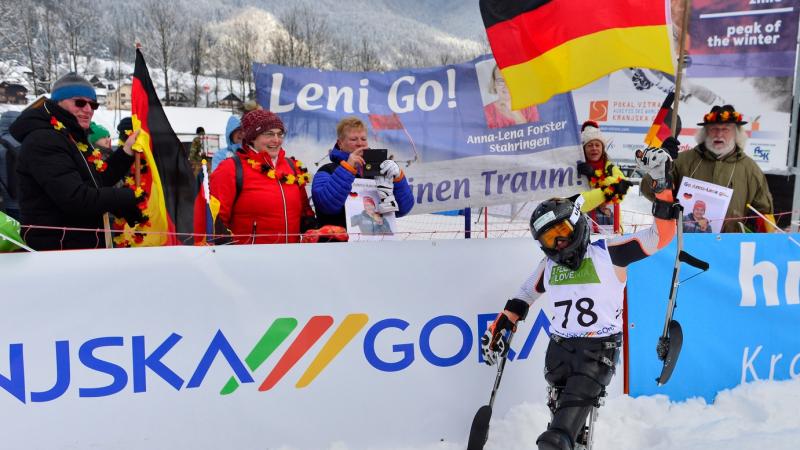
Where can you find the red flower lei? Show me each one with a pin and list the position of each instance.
(133, 235)
(602, 179)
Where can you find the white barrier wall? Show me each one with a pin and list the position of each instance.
(368, 344)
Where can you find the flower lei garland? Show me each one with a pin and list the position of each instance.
(125, 238)
(726, 116)
(95, 157)
(604, 180)
(132, 235)
(285, 178)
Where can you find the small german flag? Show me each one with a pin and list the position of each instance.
(166, 183)
(661, 128)
(547, 47)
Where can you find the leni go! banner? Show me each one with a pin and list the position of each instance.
(451, 127)
(739, 52)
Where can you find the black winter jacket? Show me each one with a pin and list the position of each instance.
(58, 187)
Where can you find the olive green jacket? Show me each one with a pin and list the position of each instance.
(736, 171)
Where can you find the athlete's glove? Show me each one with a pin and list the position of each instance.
(493, 345)
(657, 163)
(390, 169)
(385, 186)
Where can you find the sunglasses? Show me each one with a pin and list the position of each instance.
(559, 232)
(80, 103)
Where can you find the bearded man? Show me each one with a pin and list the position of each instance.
(719, 158)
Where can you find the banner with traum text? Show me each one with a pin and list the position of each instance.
(451, 128)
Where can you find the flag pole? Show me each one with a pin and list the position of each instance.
(137, 156)
(107, 230)
(679, 75)
(207, 192)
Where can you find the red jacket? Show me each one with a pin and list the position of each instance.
(267, 210)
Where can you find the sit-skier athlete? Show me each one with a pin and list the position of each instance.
(584, 283)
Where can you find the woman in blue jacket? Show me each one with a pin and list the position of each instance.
(333, 181)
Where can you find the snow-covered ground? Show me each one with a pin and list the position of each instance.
(755, 416)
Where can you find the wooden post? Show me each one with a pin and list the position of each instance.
(679, 75)
(107, 231)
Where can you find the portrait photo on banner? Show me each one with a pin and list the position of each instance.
(704, 205)
(364, 223)
(497, 99)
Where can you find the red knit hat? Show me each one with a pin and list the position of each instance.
(260, 121)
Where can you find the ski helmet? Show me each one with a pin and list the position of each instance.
(562, 230)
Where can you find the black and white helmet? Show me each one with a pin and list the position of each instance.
(562, 230)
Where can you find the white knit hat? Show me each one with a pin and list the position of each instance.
(590, 131)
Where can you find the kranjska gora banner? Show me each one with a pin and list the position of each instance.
(451, 127)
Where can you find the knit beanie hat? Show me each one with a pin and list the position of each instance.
(72, 85)
(590, 131)
(125, 127)
(259, 121)
(97, 132)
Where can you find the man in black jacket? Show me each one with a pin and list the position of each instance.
(65, 186)
(9, 149)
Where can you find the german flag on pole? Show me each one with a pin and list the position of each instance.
(662, 124)
(165, 178)
(547, 47)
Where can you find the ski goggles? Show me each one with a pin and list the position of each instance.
(560, 232)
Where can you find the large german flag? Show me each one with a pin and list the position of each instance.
(546, 47)
(166, 180)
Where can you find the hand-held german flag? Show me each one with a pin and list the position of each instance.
(547, 47)
(166, 180)
(662, 124)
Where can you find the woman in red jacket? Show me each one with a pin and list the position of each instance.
(272, 206)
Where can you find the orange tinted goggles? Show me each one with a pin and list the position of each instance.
(558, 232)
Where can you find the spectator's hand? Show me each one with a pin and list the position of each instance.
(585, 169)
(356, 158)
(132, 214)
(390, 169)
(671, 145)
(128, 147)
(657, 163)
(623, 186)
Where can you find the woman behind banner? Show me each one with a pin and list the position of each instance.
(268, 204)
(607, 183)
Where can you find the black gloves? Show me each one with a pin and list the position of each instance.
(671, 145)
(132, 214)
(585, 169)
(622, 187)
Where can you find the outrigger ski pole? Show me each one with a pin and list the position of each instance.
(671, 340)
(479, 433)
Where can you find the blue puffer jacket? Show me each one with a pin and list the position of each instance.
(332, 184)
(234, 123)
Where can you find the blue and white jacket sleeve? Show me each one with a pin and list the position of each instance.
(330, 190)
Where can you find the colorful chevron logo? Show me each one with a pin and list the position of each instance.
(313, 330)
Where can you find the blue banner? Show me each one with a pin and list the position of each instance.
(739, 319)
(451, 125)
